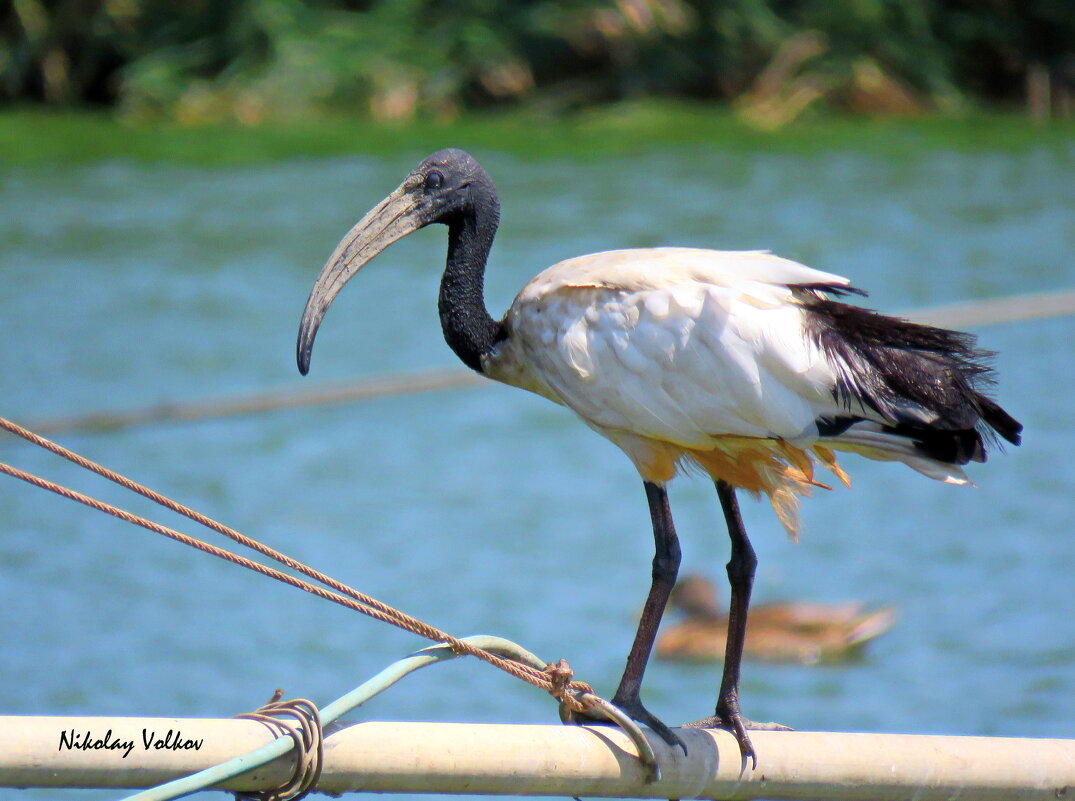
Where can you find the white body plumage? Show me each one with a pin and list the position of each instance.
(703, 356)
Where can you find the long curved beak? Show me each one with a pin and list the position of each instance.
(389, 221)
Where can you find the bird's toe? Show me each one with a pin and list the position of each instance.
(634, 710)
(639, 713)
(738, 726)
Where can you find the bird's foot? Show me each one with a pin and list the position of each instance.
(633, 708)
(734, 722)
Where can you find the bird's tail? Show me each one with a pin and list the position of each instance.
(881, 443)
(934, 451)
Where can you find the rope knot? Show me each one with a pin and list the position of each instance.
(560, 675)
(562, 686)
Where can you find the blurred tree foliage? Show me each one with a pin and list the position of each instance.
(252, 60)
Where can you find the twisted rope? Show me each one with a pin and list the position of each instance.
(344, 595)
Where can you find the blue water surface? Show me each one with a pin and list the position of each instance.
(487, 510)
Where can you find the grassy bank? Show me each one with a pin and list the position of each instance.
(31, 137)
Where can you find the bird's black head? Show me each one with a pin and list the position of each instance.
(446, 187)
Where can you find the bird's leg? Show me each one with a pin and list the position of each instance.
(665, 569)
(666, 559)
(741, 569)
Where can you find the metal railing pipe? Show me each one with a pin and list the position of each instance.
(395, 757)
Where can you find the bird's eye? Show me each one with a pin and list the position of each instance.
(433, 180)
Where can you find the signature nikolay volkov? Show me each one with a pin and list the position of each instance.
(172, 740)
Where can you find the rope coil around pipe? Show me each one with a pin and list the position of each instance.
(309, 739)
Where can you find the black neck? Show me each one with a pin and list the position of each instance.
(468, 328)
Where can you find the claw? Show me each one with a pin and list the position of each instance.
(738, 726)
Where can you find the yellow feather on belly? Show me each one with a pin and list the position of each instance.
(781, 471)
(775, 467)
(828, 458)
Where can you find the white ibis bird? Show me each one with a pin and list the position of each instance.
(737, 363)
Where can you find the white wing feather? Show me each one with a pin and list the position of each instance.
(676, 344)
(685, 346)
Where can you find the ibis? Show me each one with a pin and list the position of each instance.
(741, 364)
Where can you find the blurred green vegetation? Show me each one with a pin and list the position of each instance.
(43, 138)
(770, 61)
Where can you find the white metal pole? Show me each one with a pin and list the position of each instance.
(499, 759)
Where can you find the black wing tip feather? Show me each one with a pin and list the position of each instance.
(887, 363)
(1000, 421)
(864, 327)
